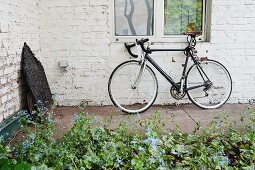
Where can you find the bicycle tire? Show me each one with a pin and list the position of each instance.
(124, 95)
(221, 87)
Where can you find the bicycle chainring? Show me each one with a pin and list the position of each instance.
(175, 94)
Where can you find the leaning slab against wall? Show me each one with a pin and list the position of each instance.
(18, 24)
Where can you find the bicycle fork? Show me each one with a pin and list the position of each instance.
(139, 77)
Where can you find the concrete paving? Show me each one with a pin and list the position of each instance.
(186, 117)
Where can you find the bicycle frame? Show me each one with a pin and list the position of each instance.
(188, 51)
(164, 74)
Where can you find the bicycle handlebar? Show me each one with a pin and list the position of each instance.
(141, 43)
(128, 47)
(138, 42)
(191, 41)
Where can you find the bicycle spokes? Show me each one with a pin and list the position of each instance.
(204, 88)
(138, 92)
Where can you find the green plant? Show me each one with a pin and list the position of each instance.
(90, 145)
(8, 161)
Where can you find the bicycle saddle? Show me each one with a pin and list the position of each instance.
(193, 33)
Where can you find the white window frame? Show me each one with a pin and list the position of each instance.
(158, 25)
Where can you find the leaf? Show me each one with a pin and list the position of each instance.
(42, 167)
(22, 166)
(5, 164)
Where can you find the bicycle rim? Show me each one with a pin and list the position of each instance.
(215, 95)
(128, 98)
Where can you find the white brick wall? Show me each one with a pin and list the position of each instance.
(18, 24)
(233, 42)
(76, 31)
(79, 32)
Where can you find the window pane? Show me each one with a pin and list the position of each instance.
(133, 17)
(182, 16)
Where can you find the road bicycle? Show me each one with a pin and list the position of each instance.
(133, 85)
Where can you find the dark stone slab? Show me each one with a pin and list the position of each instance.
(35, 78)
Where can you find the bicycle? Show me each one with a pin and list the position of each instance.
(133, 85)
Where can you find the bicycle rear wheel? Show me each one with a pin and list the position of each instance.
(208, 84)
(129, 97)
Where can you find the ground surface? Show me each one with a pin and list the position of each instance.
(185, 116)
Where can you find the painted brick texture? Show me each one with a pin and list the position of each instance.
(80, 33)
(18, 24)
(232, 41)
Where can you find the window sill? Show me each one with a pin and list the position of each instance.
(164, 39)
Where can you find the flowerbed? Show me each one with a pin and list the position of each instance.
(90, 146)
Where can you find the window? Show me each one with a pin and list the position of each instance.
(133, 17)
(158, 19)
(182, 16)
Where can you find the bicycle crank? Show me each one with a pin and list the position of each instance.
(176, 94)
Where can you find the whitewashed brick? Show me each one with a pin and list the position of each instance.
(80, 32)
(3, 81)
(4, 99)
(18, 24)
(96, 56)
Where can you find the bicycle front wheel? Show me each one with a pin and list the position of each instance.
(133, 87)
(208, 84)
